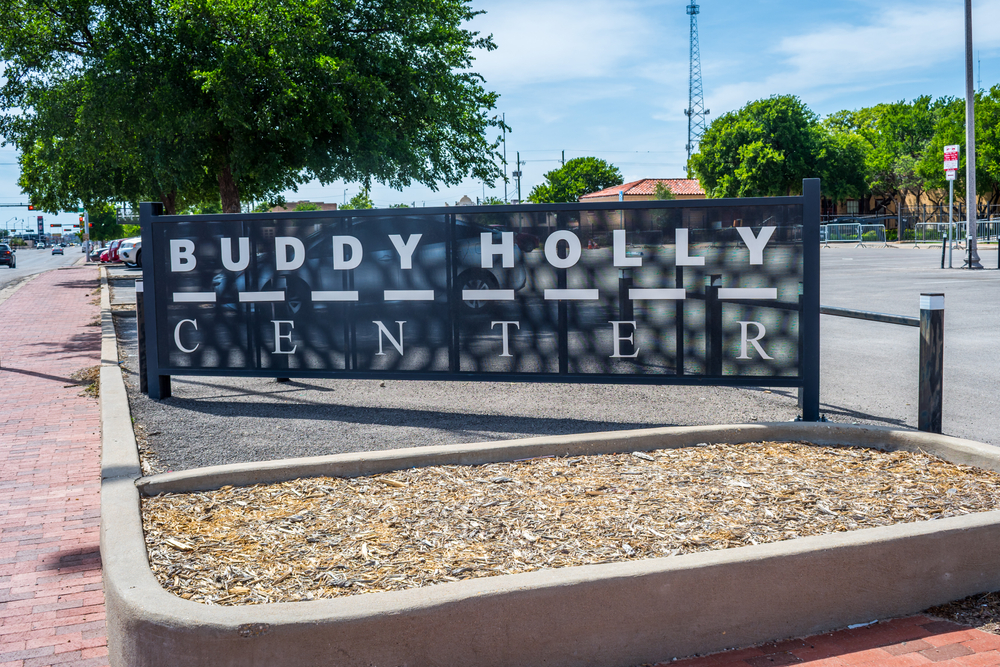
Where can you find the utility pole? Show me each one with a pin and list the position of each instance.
(517, 174)
(971, 198)
(564, 158)
(503, 119)
(696, 110)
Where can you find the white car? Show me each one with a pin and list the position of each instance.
(130, 252)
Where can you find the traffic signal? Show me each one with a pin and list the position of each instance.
(31, 207)
(81, 218)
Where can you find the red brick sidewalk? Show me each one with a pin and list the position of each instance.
(903, 642)
(51, 603)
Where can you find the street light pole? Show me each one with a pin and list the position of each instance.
(971, 199)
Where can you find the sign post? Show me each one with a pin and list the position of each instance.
(950, 169)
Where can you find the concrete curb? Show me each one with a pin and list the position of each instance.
(370, 463)
(600, 615)
(119, 452)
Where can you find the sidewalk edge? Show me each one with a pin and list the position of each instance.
(119, 452)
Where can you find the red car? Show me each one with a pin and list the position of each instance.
(104, 255)
(113, 250)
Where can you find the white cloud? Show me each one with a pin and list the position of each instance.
(892, 45)
(560, 40)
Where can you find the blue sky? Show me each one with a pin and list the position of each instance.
(610, 77)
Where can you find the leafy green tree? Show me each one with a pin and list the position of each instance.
(662, 191)
(950, 130)
(306, 206)
(104, 223)
(174, 98)
(764, 149)
(359, 201)
(841, 165)
(493, 201)
(574, 179)
(895, 137)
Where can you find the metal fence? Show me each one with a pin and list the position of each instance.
(934, 232)
(860, 234)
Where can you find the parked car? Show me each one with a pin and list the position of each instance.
(113, 250)
(130, 252)
(58, 251)
(95, 253)
(104, 255)
(7, 256)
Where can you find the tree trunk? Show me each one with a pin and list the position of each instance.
(169, 200)
(228, 191)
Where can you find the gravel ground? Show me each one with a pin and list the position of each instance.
(218, 420)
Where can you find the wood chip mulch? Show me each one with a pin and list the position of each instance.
(327, 537)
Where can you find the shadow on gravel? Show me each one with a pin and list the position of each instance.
(323, 411)
(836, 411)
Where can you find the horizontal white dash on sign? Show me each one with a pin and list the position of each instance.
(572, 295)
(342, 295)
(748, 292)
(255, 297)
(487, 295)
(409, 295)
(656, 294)
(194, 297)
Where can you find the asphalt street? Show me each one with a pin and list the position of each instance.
(869, 375)
(32, 261)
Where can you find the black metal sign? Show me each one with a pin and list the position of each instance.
(710, 292)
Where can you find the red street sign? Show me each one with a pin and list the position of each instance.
(950, 157)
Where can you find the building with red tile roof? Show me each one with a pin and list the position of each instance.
(644, 189)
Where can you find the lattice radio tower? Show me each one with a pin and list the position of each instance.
(696, 110)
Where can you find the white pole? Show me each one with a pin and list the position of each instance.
(951, 198)
(971, 198)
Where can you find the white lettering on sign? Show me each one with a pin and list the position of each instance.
(617, 338)
(340, 263)
(505, 249)
(405, 250)
(683, 256)
(177, 336)
(756, 243)
(621, 258)
(278, 336)
(505, 328)
(282, 244)
(573, 253)
(744, 339)
(398, 344)
(227, 254)
(182, 255)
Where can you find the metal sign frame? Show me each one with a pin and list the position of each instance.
(154, 302)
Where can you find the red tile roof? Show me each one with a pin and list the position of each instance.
(647, 186)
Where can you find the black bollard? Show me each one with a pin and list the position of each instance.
(140, 322)
(931, 362)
